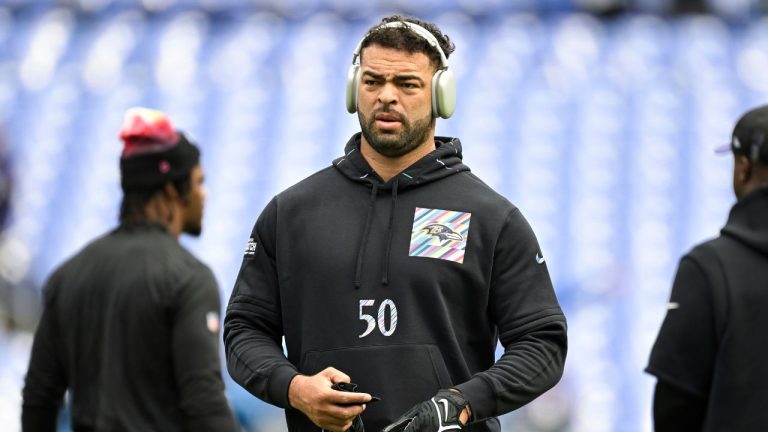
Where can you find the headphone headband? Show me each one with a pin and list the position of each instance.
(419, 30)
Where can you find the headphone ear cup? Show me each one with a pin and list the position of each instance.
(443, 93)
(353, 83)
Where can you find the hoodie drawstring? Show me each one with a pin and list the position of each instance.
(385, 264)
(366, 231)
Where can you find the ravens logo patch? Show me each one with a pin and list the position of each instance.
(442, 232)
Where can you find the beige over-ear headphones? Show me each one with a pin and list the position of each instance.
(443, 81)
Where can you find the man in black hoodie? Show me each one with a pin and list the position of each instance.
(710, 354)
(130, 324)
(395, 268)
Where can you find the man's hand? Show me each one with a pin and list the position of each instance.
(313, 396)
(447, 410)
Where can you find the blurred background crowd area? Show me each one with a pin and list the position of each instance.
(598, 118)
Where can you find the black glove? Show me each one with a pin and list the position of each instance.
(441, 413)
(357, 423)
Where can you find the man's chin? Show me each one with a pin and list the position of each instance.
(388, 135)
(389, 140)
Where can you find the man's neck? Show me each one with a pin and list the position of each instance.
(758, 179)
(388, 167)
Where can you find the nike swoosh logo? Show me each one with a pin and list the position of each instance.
(673, 305)
(443, 418)
(539, 259)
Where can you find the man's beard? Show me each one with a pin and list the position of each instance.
(193, 225)
(391, 143)
(193, 230)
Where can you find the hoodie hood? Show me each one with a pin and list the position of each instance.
(748, 221)
(446, 160)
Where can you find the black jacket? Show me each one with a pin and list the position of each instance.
(130, 327)
(406, 286)
(711, 346)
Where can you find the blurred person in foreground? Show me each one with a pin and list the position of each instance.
(395, 268)
(130, 324)
(6, 287)
(710, 354)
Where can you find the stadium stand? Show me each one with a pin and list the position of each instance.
(600, 130)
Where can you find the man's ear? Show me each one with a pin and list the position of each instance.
(170, 191)
(743, 169)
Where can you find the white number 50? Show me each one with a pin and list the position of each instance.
(382, 310)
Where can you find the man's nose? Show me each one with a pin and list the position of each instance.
(388, 94)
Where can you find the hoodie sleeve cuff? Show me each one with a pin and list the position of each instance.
(278, 385)
(481, 397)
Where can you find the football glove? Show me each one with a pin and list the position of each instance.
(357, 423)
(438, 414)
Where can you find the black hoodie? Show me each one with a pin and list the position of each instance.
(130, 329)
(406, 286)
(712, 344)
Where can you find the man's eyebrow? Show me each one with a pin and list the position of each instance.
(397, 78)
(374, 75)
(402, 78)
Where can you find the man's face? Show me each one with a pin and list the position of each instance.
(193, 205)
(395, 100)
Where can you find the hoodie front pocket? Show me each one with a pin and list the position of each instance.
(401, 375)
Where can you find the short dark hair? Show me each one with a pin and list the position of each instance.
(408, 41)
(132, 207)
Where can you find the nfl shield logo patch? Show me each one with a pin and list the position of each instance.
(439, 234)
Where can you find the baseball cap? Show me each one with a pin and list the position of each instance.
(749, 136)
(154, 152)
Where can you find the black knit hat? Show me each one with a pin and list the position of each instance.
(154, 153)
